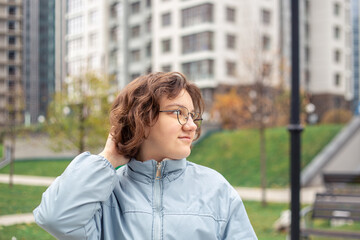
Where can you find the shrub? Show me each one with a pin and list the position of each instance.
(337, 116)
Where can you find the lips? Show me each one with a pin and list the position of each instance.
(187, 138)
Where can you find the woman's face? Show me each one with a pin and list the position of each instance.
(167, 138)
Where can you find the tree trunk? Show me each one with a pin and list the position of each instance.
(81, 128)
(263, 165)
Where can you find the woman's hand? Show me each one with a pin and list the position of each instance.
(111, 153)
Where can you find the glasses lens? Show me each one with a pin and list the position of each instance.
(182, 115)
(198, 122)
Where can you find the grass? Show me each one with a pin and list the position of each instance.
(19, 198)
(48, 168)
(235, 154)
(24, 232)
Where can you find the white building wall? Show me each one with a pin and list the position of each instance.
(246, 29)
(323, 44)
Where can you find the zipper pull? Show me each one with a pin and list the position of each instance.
(158, 170)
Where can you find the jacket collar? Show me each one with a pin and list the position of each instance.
(146, 171)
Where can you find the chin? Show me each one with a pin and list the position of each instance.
(181, 155)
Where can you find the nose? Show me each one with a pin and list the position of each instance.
(190, 125)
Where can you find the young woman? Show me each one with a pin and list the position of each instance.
(158, 194)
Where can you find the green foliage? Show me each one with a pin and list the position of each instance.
(236, 155)
(19, 198)
(46, 168)
(78, 115)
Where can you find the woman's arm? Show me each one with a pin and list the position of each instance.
(71, 207)
(238, 225)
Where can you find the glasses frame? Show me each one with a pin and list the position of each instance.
(197, 120)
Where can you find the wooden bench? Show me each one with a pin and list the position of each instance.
(332, 206)
(342, 182)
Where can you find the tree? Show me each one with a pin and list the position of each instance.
(78, 115)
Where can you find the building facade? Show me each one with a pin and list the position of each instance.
(213, 42)
(326, 54)
(11, 45)
(38, 57)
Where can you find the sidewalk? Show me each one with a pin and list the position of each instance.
(251, 194)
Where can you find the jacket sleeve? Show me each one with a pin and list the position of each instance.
(238, 225)
(71, 207)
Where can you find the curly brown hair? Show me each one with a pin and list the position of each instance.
(137, 107)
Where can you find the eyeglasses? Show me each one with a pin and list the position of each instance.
(183, 113)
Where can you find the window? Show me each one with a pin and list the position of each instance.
(74, 25)
(230, 14)
(266, 42)
(337, 9)
(135, 32)
(12, 40)
(135, 8)
(135, 55)
(337, 32)
(197, 42)
(198, 70)
(265, 16)
(307, 54)
(93, 17)
(166, 19)
(231, 68)
(11, 25)
(148, 49)
(73, 5)
(266, 69)
(230, 41)
(74, 45)
(196, 15)
(11, 55)
(337, 56)
(166, 68)
(11, 70)
(307, 30)
(114, 10)
(337, 79)
(307, 7)
(94, 62)
(166, 45)
(134, 75)
(148, 25)
(307, 79)
(114, 34)
(93, 39)
(12, 10)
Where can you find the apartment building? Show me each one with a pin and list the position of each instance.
(326, 54)
(38, 57)
(355, 49)
(11, 85)
(213, 42)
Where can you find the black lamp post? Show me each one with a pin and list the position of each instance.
(295, 127)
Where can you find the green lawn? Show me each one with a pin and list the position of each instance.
(19, 198)
(49, 168)
(235, 154)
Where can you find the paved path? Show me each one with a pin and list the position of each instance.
(254, 194)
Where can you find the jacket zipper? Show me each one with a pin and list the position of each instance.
(157, 203)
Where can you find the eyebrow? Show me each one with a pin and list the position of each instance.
(177, 105)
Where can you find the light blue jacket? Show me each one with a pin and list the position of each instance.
(91, 200)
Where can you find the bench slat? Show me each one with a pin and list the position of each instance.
(330, 233)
